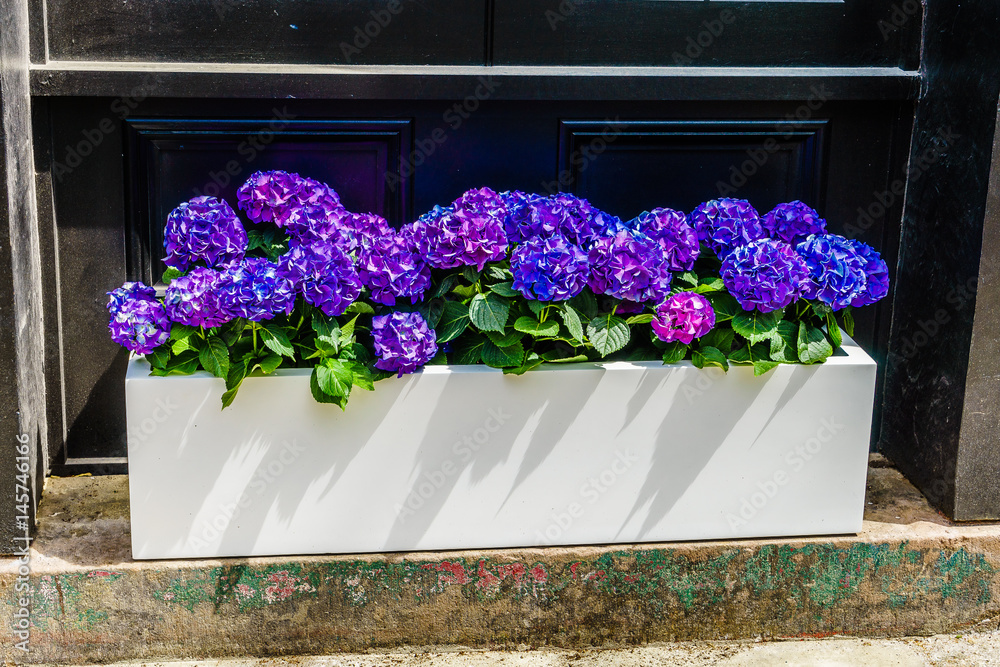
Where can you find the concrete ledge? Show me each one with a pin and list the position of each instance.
(909, 572)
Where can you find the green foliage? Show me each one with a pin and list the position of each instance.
(489, 312)
(608, 334)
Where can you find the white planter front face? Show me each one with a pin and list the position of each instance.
(465, 457)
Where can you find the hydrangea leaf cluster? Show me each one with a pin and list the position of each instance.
(683, 317)
(403, 342)
(206, 230)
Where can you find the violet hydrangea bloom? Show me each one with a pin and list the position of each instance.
(311, 226)
(683, 317)
(765, 275)
(629, 266)
(876, 273)
(726, 224)
(549, 268)
(564, 214)
(671, 231)
(139, 324)
(367, 228)
(273, 195)
(482, 201)
(403, 342)
(203, 229)
(254, 290)
(836, 271)
(447, 239)
(324, 274)
(390, 270)
(195, 300)
(793, 222)
(127, 292)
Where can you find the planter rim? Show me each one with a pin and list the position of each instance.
(852, 354)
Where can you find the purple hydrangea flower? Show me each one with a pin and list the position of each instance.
(836, 271)
(482, 202)
(390, 269)
(629, 266)
(876, 274)
(312, 227)
(671, 231)
(403, 342)
(324, 274)
(793, 222)
(549, 269)
(273, 195)
(203, 229)
(683, 317)
(535, 215)
(766, 275)
(139, 324)
(254, 290)
(368, 227)
(128, 292)
(726, 224)
(195, 300)
(447, 238)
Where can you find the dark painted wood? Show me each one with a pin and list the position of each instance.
(934, 386)
(131, 82)
(425, 32)
(664, 32)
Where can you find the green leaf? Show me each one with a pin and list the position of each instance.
(276, 339)
(674, 352)
(470, 273)
(454, 320)
(170, 274)
(585, 303)
(785, 343)
(334, 377)
(533, 327)
(847, 316)
(467, 350)
(444, 286)
(536, 306)
(320, 395)
(821, 309)
(572, 321)
(505, 289)
(489, 312)
(325, 326)
(608, 334)
(237, 371)
(709, 285)
(833, 329)
(813, 345)
(709, 356)
(749, 354)
(181, 331)
(432, 311)
(755, 326)
(232, 331)
(533, 361)
(502, 357)
(158, 357)
(347, 332)
(508, 337)
(724, 305)
(761, 367)
(362, 376)
(644, 318)
(465, 291)
(214, 357)
(688, 280)
(360, 307)
(553, 357)
(269, 363)
(499, 273)
(720, 338)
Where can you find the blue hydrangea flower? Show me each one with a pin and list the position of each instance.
(671, 231)
(273, 195)
(836, 271)
(391, 270)
(535, 215)
(765, 275)
(195, 300)
(793, 222)
(627, 265)
(313, 227)
(324, 274)
(448, 239)
(726, 224)
(253, 290)
(206, 230)
(549, 269)
(139, 324)
(403, 342)
(128, 292)
(876, 274)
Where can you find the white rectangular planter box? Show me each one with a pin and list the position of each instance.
(466, 457)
